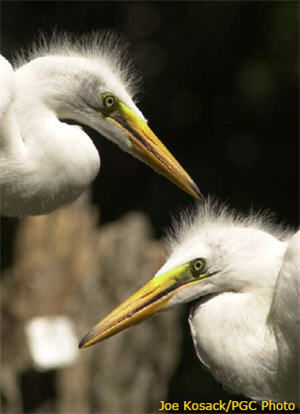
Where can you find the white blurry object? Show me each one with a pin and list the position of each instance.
(52, 342)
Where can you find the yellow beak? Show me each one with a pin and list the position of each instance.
(147, 147)
(147, 301)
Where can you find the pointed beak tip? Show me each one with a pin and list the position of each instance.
(199, 195)
(84, 342)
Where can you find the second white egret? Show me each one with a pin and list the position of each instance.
(244, 274)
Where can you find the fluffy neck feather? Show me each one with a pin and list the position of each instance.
(57, 162)
(231, 338)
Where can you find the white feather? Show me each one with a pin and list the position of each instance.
(215, 213)
(104, 47)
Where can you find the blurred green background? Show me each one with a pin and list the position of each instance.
(220, 89)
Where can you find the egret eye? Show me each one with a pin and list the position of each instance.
(197, 267)
(109, 102)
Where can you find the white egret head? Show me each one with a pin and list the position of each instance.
(92, 81)
(211, 252)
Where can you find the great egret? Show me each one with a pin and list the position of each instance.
(44, 162)
(244, 274)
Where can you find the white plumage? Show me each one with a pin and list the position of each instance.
(244, 274)
(105, 48)
(45, 162)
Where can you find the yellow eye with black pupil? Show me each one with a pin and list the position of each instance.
(109, 102)
(197, 267)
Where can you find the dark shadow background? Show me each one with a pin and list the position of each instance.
(221, 91)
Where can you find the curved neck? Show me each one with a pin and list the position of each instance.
(57, 162)
(232, 339)
(60, 151)
(10, 137)
(47, 90)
